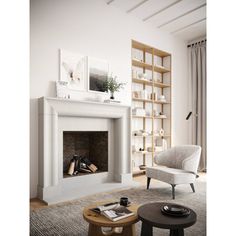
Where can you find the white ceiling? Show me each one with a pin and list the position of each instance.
(185, 19)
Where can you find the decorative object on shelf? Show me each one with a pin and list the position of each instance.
(138, 111)
(164, 144)
(97, 74)
(161, 132)
(112, 85)
(62, 89)
(142, 76)
(148, 113)
(136, 59)
(161, 115)
(144, 94)
(157, 80)
(161, 98)
(141, 132)
(135, 94)
(153, 96)
(73, 68)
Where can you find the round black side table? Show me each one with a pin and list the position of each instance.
(151, 216)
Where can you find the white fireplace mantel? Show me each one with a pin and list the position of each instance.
(51, 184)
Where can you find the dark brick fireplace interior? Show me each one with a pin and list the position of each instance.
(90, 144)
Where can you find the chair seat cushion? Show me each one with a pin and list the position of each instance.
(170, 175)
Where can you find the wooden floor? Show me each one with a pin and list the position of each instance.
(36, 203)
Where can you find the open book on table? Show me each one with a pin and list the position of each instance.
(113, 211)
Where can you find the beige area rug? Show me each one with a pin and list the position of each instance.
(66, 218)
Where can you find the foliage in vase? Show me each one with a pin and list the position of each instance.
(112, 85)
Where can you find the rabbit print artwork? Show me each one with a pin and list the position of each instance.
(73, 69)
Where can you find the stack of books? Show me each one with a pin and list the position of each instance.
(111, 101)
(113, 211)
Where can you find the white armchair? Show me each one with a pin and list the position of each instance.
(177, 165)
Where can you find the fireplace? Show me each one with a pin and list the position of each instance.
(84, 145)
(89, 122)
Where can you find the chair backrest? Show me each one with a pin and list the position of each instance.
(185, 157)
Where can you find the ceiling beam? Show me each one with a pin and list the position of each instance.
(136, 6)
(163, 9)
(109, 2)
(187, 26)
(186, 13)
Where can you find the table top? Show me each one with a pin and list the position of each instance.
(100, 220)
(151, 214)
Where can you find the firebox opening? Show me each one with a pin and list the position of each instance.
(84, 152)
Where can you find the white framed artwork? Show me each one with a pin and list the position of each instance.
(73, 69)
(97, 74)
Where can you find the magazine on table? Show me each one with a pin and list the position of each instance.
(113, 211)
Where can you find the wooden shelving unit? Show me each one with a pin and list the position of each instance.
(157, 64)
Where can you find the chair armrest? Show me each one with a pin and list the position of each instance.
(191, 163)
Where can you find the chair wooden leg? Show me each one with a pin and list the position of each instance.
(173, 190)
(192, 186)
(148, 182)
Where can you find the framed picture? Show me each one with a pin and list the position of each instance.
(73, 70)
(97, 74)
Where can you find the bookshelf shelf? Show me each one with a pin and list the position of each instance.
(150, 83)
(156, 68)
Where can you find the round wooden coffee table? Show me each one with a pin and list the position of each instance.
(151, 215)
(97, 221)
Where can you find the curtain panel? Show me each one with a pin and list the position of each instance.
(198, 85)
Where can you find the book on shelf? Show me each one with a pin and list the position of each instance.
(113, 211)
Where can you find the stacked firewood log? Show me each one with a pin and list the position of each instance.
(81, 164)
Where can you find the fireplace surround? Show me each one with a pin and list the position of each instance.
(59, 115)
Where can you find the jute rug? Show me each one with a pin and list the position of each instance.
(66, 219)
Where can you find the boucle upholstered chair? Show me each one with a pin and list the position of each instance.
(177, 165)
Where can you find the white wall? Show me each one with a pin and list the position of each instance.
(95, 29)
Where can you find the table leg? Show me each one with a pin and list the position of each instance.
(129, 230)
(177, 232)
(146, 229)
(95, 230)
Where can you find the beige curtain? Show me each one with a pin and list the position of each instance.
(197, 60)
